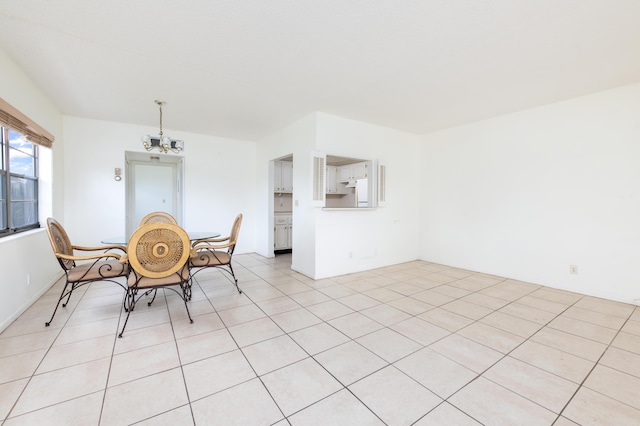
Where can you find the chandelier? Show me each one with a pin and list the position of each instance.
(163, 143)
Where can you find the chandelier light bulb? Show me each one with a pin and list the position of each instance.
(163, 143)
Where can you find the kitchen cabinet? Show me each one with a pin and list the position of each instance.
(352, 171)
(333, 186)
(283, 176)
(332, 179)
(283, 227)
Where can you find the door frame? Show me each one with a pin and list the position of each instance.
(271, 213)
(148, 158)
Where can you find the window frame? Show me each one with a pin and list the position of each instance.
(12, 119)
(5, 170)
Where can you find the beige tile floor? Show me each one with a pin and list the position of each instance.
(416, 343)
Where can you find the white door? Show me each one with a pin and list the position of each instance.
(153, 186)
(154, 189)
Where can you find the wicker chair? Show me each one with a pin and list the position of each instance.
(158, 217)
(217, 252)
(100, 264)
(158, 257)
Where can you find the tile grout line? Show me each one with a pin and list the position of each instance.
(506, 355)
(245, 356)
(273, 266)
(344, 387)
(8, 416)
(175, 342)
(594, 367)
(113, 354)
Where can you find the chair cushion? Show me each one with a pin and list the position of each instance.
(145, 282)
(210, 258)
(90, 271)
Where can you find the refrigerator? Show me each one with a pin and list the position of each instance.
(362, 193)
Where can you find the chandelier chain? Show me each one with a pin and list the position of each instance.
(163, 143)
(160, 105)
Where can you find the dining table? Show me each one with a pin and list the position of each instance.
(193, 236)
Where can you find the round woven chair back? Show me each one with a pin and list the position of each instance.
(235, 231)
(60, 242)
(157, 250)
(158, 217)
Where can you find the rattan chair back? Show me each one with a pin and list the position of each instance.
(235, 231)
(158, 217)
(157, 249)
(60, 243)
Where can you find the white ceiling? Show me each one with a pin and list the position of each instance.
(246, 68)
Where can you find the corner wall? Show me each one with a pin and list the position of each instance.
(26, 260)
(297, 139)
(528, 194)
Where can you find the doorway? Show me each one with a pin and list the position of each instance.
(282, 204)
(154, 183)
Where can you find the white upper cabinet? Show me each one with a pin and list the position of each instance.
(283, 176)
(287, 176)
(353, 171)
(333, 185)
(332, 180)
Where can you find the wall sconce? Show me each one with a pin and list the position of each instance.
(161, 142)
(118, 174)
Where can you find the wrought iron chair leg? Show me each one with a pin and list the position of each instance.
(185, 288)
(73, 287)
(48, 323)
(155, 293)
(235, 280)
(125, 324)
(131, 297)
(189, 285)
(129, 300)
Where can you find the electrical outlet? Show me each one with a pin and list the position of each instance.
(573, 269)
(28, 279)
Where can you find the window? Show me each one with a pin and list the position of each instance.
(351, 183)
(20, 140)
(18, 182)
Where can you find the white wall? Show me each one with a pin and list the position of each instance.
(297, 139)
(527, 194)
(29, 254)
(322, 240)
(350, 241)
(219, 182)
